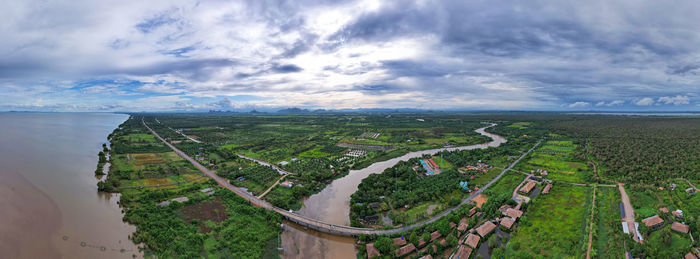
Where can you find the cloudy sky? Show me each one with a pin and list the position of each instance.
(446, 55)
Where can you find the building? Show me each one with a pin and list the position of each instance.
(404, 250)
(680, 227)
(507, 222)
(427, 257)
(690, 190)
(462, 226)
(371, 251)
(287, 184)
(527, 188)
(452, 225)
(664, 210)
(653, 221)
(472, 211)
(673, 186)
(371, 219)
(546, 188)
(399, 241)
(472, 240)
(504, 208)
(513, 213)
(690, 255)
(677, 213)
(435, 235)
(485, 228)
(463, 252)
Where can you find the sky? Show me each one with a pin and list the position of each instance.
(236, 55)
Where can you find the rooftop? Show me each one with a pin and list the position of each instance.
(507, 222)
(404, 250)
(485, 228)
(472, 240)
(680, 227)
(371, 251)
(513, 213)
(463, 252)
(399, 241)
(653, 221)
(546, 188)
(528, 187)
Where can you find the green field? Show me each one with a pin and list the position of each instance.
(554, 225)
(608, 241)
(557, 157)
(484, 178)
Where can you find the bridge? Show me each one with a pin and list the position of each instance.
(317, 224)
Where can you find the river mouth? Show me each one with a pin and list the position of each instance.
(332, 205)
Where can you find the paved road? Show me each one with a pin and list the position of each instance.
(629, 211)
(317, 224)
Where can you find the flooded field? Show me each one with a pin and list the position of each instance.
(48, 193)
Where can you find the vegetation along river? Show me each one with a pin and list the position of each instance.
(50, 207)
(332, 205)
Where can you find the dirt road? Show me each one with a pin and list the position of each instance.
(629, 211)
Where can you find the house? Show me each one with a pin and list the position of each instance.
(677, 213)
(507, 222)
(421, 242)
(462, 226)
(653, 221)
(504, 208)
(673, 186)
(528, 187)
(208, 191)
(546, 188)
(664, 210)
(404, 250)
(485, 228)
(472, 240)
(283, 163)
(690, 255)
(680, 227)
(399, 241)
(472, 211)
(513, 213)
(371, 219)
(463, 252)
(287, 184)
(690, 190)
(435, 235)
(371, 251)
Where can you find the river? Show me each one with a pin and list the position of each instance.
(50, 207)
(332, 205)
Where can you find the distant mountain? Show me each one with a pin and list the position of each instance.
(293, 110)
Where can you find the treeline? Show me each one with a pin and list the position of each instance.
(634, 149)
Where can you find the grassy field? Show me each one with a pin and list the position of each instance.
(609, 239)
(554, 225)
(486, 177)
(506, 184)
(520, 125)
(556, 156)
(140, 137)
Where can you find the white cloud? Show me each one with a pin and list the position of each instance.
(579, 105)
(646, 101)
(678, 100)
(610, 104)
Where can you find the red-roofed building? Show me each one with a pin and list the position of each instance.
(680, 227)
(435, 235)
(485, 228)
(463, 252)
(513, 213)
(690, 255)
(472, 240)
(528, 187)
(462, 227)
(546, 188)
(404, 250)
(371, 251)
(399, 241)
(653, 221)
(664, 210)
(507, 222)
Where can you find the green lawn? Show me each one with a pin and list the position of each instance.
(556, 156)
(506, 184)
(141, 137)
(554, 225)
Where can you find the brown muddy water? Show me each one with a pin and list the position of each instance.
(49, 204)
(332, 205)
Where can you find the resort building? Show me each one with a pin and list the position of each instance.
(485, 228)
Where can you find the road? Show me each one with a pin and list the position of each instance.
(629, 211)
(317, 224)
(273, 186)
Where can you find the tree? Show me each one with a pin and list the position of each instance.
(413, 238)
(383, 244)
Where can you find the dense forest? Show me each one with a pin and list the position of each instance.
(636, 149)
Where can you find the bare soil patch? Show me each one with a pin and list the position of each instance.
(208, 210)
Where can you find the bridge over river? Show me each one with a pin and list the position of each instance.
(317, 224)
